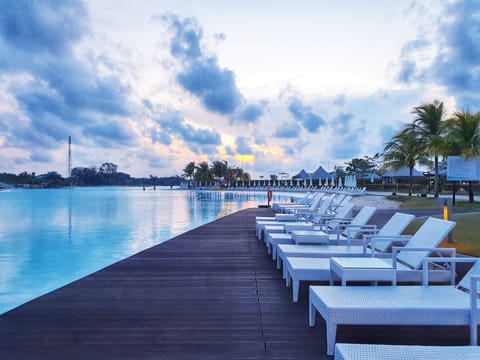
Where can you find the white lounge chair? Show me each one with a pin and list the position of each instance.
(318, 269)
(389, 352)
(435, 230)
(272, 239)
(398, 305)
(303, 200)
(262, 221)
(312, 206)
(321, 213)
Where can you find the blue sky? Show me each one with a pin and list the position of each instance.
(153, 85)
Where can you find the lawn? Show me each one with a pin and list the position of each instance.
(465, 235)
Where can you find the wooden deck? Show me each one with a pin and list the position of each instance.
(211, 293)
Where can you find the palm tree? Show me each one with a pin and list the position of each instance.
(405, 150)
(203, 173)
(219, 168)
(428, 127)
(189, 170)
(463, 138)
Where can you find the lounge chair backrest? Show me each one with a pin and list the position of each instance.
(362, 218)
(430, 234)
(322, 209)
(396, 225)
(316, 201)
(343, 212)
(338, 198)
(346, 199)
(464, 284)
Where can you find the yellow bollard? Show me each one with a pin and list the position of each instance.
(445, 217)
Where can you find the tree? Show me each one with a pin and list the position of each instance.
(360, 167)
(203, 173)
(189, 170)
(405, 150)
(463, 138)
(108, 168)
(428, 127)
(219, 168)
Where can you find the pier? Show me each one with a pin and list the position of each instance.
(211, 293)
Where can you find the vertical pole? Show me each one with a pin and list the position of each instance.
(69, 156)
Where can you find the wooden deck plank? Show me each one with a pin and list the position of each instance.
(211, 293)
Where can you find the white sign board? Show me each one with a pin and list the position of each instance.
(461, 169)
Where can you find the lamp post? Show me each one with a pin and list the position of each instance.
(427, 175)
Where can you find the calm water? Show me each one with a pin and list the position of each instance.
(50, 237)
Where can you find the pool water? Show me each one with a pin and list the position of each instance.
(51, 237)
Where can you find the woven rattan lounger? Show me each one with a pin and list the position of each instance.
(398, 305)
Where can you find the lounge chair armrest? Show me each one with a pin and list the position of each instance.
(358, 229)
(372, 241)
(391, 237)
(474, 309)
(366, 227)
(452, 260)
(450, 252)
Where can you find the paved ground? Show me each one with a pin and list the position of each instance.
(211, 293)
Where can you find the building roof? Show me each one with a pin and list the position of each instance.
(403, 172)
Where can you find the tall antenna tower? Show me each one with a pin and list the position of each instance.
(69, 156)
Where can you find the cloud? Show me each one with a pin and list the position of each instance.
(201, 75)
(46, 27)
(249, 113)
(41, 157)
(456, 53)
(288, 150)
(341, 122)
(457, 64)
(173, 126)
(58, 94)
(288, 131)
(229, 150)
(305, 115)
(347, 146)
(242, 146)
(407, 72)
(110, 133)
(340, 100)
(259, 139)
(215, 87)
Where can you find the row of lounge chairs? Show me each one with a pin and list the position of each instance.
(342, 239)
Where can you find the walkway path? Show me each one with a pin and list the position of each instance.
(211, 293)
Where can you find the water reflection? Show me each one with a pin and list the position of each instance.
(49, 238)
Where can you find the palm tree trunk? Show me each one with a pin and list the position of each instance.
(436, 177)
(410, 185)
(454, 192)
(470, 192)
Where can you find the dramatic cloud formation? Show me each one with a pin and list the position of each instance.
(455, 64)
(288, 131)
(203, 77)
(58, 94)
(213, 80)
(242, 146)
(173, 126)
(305, 115)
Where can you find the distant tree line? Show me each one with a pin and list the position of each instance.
(219, 170)
(107, 174)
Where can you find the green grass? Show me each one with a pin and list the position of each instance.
(465, 235)
(419, 203)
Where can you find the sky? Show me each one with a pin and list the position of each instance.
(273, 86)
